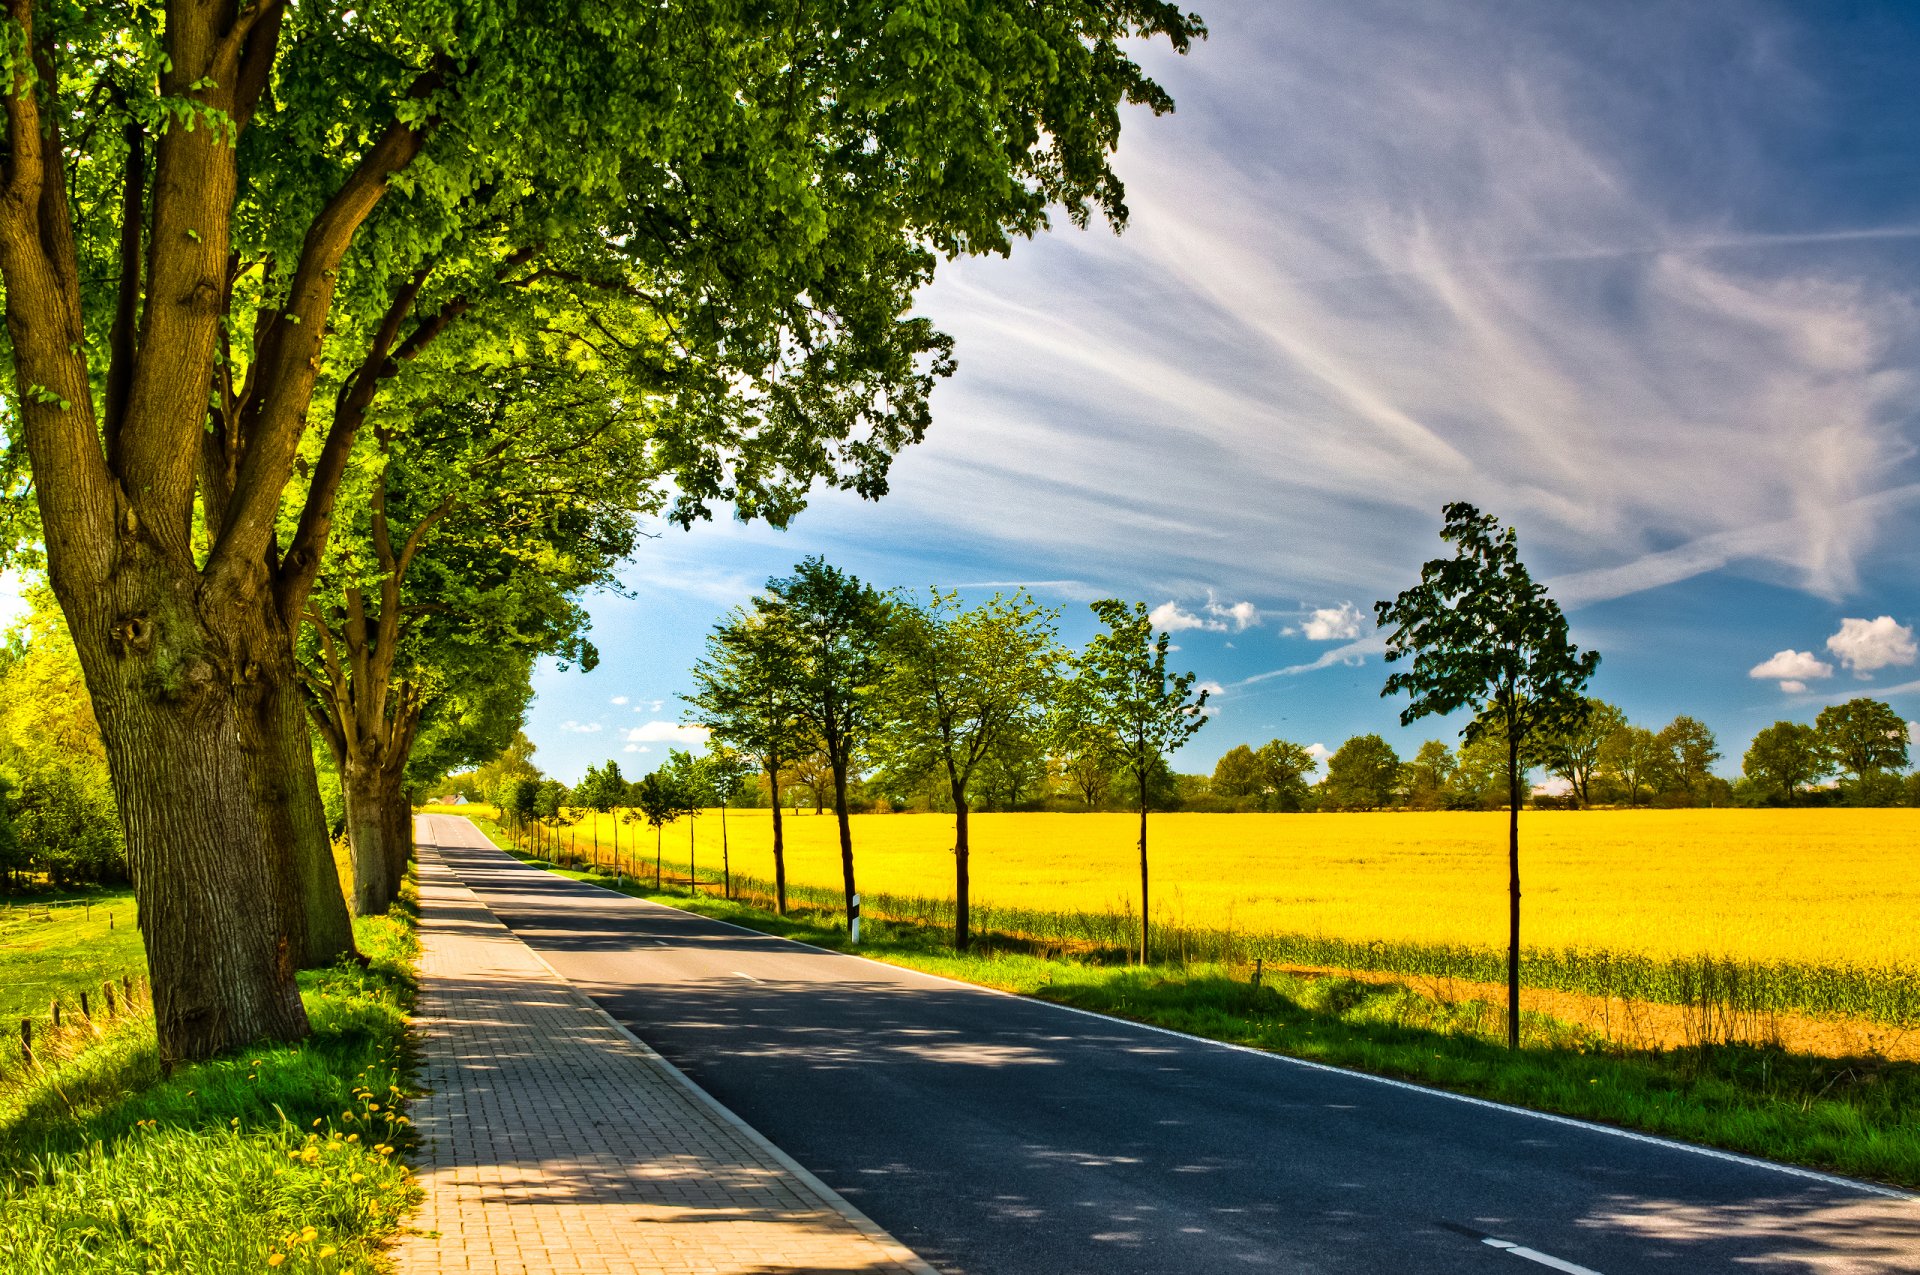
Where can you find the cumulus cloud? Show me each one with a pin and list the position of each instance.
(1319, 752)
(1334, 624)
(1791, 669)
(668, 732)
(1169, 617)
(1213, 691)
(1218, 617)
(636, 748)
(619, 699)
(1913, 733)
(1865, 645)
(580, 728)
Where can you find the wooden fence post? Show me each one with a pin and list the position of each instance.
(26, 1039)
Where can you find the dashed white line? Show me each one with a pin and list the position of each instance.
(750, 978)
(1535, 1255)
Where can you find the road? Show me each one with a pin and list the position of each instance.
(997, 1134)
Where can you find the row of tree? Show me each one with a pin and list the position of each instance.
(348, 342)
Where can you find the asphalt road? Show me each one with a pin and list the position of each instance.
(996, 1134)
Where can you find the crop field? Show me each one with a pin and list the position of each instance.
(1807, 910)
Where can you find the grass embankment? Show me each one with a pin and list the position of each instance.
(54, 947)
(1741, 915)
(286, 1157)
(1852, 1115)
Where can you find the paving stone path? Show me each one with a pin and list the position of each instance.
(553, 1141)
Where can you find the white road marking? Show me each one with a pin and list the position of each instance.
(1535, 1255)
(750, 978)
(1788, 1170)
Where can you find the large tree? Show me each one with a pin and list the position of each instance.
(1786, 758)
(1632, 756)
(1863, 737)
(747, 694)
(960, 685)
(1483, 635)
(199, 200)
(828, 626)
(1121, 697)
(1688, 751)
(1362, 774)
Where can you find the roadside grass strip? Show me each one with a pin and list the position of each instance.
(283, 1157)
(1853, 1116)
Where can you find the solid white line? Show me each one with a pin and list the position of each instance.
(1711, 1153)
(1535, 1255)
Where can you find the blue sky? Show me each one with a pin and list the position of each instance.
(1638, 278)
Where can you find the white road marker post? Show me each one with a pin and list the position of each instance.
(853, 920)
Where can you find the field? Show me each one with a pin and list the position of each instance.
(1813, 886)
(1753, 911)
(69, 944)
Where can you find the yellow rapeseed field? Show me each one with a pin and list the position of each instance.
(1793, 885)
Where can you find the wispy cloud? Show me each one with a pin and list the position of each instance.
(668, 732)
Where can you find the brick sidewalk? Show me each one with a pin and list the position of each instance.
(551, 1141)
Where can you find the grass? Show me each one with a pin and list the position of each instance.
(1750, 912)
(1852, 1116)
(285, 1157)
(59, 945)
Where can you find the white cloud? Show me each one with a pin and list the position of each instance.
(1792, 669)
(636, 748)
(668, 732)
(1866, 645)
(650, 706)
(1913, 733)
(1334, 624)
(1214, 691)
(1319, 752)
(1169, 617)
(1471, 276)
(619, 699)
(1352, 655)
(580, 728)
(1241, 616)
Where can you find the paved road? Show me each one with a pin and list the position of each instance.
(993, 1134)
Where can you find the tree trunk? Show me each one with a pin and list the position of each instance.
(1513, 889)
(397, 834)
(1143, 869)
(846, 836)
(779, 843)
(206, 879)
(726, 862)
(692, 824)
(659, 831)
(368, 822)
(961, 917)
(277, 745)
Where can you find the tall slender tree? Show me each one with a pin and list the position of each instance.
(828, 626)
(959, 684)
(1482, 635)
(1121, 697)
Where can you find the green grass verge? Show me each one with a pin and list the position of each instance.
(286, 1157)
(1852, 1116)
(59, 945)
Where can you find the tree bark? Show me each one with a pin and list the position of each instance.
(779, 842)
(367, 824)
(397, 835)
(278, 750)
(726, 860)
(211, 897)
(1143, 869)
(961, 907)
(1513, 888)
(846, 836)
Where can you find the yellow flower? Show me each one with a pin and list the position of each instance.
(327, 1250)
(274, 1259)
(358, 1177)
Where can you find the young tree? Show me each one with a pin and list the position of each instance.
(1576, 753)
(747, 694)
(1086, 752)
(688, 780)
(657, 802)
(1121, 695)
(960, 685)
(829, 626)
(727, 773)
(1483, 635)
(604, 789)
(1785, 758)
(1362, 774)
(183, 252)
(1863, 737)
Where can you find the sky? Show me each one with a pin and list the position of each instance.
(1640, 280)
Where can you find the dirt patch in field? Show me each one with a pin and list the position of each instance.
(1651, 1025)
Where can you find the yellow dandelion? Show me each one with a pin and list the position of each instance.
(274, 1259)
